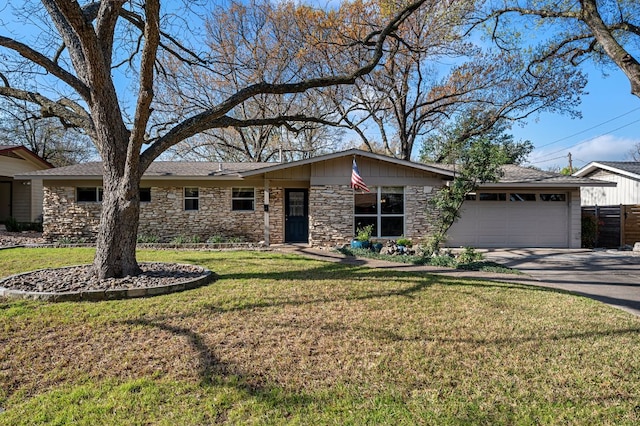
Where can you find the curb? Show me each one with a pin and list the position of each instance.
(101, 295)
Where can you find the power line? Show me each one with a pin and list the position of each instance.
(590, 128)
(585, 141)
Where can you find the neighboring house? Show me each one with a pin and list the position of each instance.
(311, 201)
(626, 175)
(20, 198)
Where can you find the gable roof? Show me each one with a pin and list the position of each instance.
(218, 170)
(24, 153)
(514, 176)
(157, 169)
(518, 176)
(434, 168)
(627, 168)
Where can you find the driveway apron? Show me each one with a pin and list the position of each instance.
(612, 277)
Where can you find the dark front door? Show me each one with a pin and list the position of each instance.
(296, 216)
(5, 200)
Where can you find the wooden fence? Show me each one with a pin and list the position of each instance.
(616, 226)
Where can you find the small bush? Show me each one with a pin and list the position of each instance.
(12, 225)
(70, 240)
(404, 242)
(363, 233)
(185, 239)
(148, 238)
(469, 255)
(233, 240)
(443, 260)
(215, 239)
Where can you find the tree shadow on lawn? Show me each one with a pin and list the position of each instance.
(214, 372)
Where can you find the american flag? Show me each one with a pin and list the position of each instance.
(356, 179)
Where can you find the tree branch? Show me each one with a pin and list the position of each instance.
(65, 108)
(50, 66)
(202, 121)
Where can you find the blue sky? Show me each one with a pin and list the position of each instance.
(608, 130)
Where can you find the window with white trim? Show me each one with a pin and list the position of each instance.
(383, 208)
(191, 198)
(243, 199)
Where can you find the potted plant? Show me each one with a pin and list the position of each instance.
(403, 244)
(363, 235)
(406, 242)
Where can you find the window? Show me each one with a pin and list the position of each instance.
(383, 208)
(145, 195)
(243, 199)
(89, 194)
(492, 196)
(553, 197)
(191, 198)
(522, 197)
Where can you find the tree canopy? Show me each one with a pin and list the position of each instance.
(101, 67)
(605, 31)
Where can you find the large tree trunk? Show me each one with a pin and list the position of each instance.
(117, 237)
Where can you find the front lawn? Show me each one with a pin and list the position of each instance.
(284, 339)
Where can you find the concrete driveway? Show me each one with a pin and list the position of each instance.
(612, 277)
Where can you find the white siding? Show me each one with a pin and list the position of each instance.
(627, 190)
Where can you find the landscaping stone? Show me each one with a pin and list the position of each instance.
(76, 283)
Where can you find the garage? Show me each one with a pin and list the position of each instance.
(513, 219)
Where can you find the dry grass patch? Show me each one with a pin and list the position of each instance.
(282, 339)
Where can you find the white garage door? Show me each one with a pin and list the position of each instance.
(523, 219)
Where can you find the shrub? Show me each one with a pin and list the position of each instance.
(469, 255)
(148, 238)
(12, 225)
(404, 242)
(363, 233)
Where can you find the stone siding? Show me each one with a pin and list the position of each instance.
(276, 216)
(64, 218)
(165, 217)
(330, 215)
(418, 216)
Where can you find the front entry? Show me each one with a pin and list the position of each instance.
(296, 216)
(5, 200)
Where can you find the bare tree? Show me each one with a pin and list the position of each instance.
(606, 31)
(79, 66)
(433, 74)
(46, 137)
(249, 43)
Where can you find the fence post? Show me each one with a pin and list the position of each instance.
(597, 214)
(623, 215)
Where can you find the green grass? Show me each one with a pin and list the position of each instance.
(284, 339)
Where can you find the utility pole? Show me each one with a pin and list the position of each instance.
(570, 164)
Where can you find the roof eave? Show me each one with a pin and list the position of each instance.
(545, 184)
(594, 165)
(347, 153)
